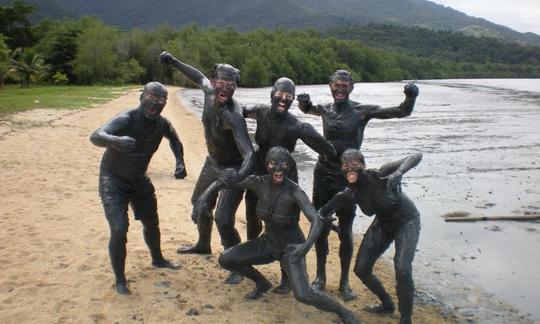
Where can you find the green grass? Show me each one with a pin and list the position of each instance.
(14, 99)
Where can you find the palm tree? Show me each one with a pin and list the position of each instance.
(29, 66)
(5, 61)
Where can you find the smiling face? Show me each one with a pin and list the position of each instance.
(282, 95)
(277, 164)
(341, 85)
(153, 99)
(353, 165)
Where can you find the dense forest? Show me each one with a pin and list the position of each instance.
(88, 51)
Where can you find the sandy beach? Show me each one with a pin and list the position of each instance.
(53, 254)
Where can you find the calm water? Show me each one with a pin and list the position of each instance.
(480, 140)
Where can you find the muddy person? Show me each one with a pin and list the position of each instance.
(344, 122)
(131, 138)
(230, 153)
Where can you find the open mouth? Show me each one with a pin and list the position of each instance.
(222, 96)
(278, 177)
(352, 177)
(152, 110)
(340, 95)
(282, 107)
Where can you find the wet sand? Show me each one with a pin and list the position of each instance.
(53, 255)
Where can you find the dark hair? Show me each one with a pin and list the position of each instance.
(353, 154)
(342, 75)
(226, 71)
(283, 84)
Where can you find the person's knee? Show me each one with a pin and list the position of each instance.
(303, 296)
(403, 271)
(226, 261)
(119, 235)
(362, 271)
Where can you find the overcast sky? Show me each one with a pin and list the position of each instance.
(520, 15)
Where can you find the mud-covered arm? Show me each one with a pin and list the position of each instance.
(253, 111)
(403, 110)
(105, 136)
(306, 106)
(393, 171)
(315, 230)
(189, 71)
(245, 147)
(203, 203)
(329, 208)
(316, 141)
(177, 148)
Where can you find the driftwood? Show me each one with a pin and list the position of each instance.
(488, 218)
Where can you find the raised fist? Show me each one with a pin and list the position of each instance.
(411, 90)
(304, 101)
(166, 57)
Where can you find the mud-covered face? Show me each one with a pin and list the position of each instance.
(340, 90)
(224, 90)
(152, 104)
(352, 165)
(282, 101)
(278, 161)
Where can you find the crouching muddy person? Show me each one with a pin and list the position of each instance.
(229, 149)
(378, 192)
(130, 139)
(279, 200)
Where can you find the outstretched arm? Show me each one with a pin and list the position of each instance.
(306, 106)
(316, 141)
(393, 171)
(190, 72)
(105, 136)
(403, 110)
(178, 150)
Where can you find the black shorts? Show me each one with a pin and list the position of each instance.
(117, 193)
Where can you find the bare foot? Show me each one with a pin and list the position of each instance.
(259, 290)
(166, 264)
(233, 278)
(195, 249)
(384, 308)
(122, 289)
(346, 293)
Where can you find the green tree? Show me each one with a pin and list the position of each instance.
(255, 73)
(14, 24)
(29, 66)
(5, 61)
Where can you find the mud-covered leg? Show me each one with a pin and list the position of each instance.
(204, 223)
(241, 258)
(304, 293)
(373, 245)
(253, 222)
(406, 241)
(346, 218)
(228, 202)
(152, 237)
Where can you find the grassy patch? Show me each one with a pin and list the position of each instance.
(14, 98)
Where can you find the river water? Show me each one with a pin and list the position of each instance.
(481, 141)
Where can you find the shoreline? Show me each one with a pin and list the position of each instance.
(54, 256)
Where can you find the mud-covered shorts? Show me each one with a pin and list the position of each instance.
(117, 193)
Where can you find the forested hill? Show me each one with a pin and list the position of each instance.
(254, 14)
(445, 45)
